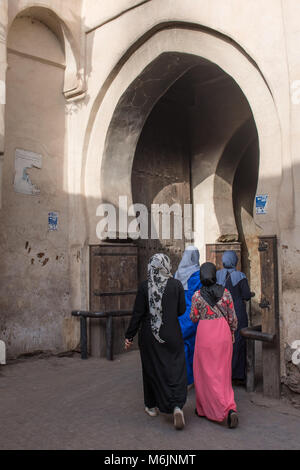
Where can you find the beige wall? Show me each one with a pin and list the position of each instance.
(35, 281)
(105, 46)
(3, 65)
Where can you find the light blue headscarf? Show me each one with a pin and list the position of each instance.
(188, 265)
(230, 261)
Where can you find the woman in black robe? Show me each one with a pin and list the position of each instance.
(236, 282)
(159, 302)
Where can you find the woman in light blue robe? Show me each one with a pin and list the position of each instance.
(189, 274)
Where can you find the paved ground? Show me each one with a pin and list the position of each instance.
(67, 403)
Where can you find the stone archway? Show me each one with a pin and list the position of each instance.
(134, 88)
(114, 129)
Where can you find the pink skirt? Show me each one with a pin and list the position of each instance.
(212, 369)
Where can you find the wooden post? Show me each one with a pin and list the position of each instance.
(109, 338)
(270, 315)
(250, 381)
(250, 351)
(83, 337)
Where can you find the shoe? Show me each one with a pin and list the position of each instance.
(239, 382)
(151, 411)
(179, 422)
(232, 419)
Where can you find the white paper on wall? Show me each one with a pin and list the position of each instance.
(2, 92)
(24, 160)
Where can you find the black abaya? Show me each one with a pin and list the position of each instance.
(240, 292)
(163, 364)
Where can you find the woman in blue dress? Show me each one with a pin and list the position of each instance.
(189, 274)
(236, 282)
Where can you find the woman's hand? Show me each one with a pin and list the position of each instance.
(127, 343)
(233, 338)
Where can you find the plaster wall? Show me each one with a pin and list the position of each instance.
(3, 65)
(35, 261)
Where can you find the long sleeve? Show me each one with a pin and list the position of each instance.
(194, 313)
(188, 328)
(231, 315)
(244, 289)
(181, 300)
(139, 310)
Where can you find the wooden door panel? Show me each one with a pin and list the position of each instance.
(215, 251)
(161, 175)
(113, 268)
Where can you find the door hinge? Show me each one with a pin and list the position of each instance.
(263, 246)
(264, 304)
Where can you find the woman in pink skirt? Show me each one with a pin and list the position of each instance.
(212, 307)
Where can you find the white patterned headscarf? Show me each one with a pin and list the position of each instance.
(159, 271)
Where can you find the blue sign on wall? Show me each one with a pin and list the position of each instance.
(261, 204)
(52, 220)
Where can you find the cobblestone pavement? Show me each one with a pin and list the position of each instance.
(68, 403)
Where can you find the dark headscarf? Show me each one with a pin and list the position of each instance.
(210, 291)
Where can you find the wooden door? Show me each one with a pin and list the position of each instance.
(113, 268)
(161, 175)
(270, 315)
(215, 251)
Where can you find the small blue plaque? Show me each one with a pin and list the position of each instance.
(261, 204)
(52, 221)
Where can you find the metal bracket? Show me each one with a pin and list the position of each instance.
(108, 294)
(264, 304)
(263, 246)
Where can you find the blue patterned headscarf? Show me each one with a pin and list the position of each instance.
(230, 261)
(188, 265)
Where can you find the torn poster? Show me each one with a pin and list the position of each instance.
(24, 160)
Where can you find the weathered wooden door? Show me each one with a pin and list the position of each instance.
(161, 175)
(113, 269)
(270, 315)
(215, 251)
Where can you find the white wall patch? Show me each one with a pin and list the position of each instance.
(24, 159)
(2, 353)
(2, 92)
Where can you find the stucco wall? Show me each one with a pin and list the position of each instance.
(34, 269)
(3, 65)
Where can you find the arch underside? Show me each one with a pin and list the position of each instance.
(74, 73)
(164, 59)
